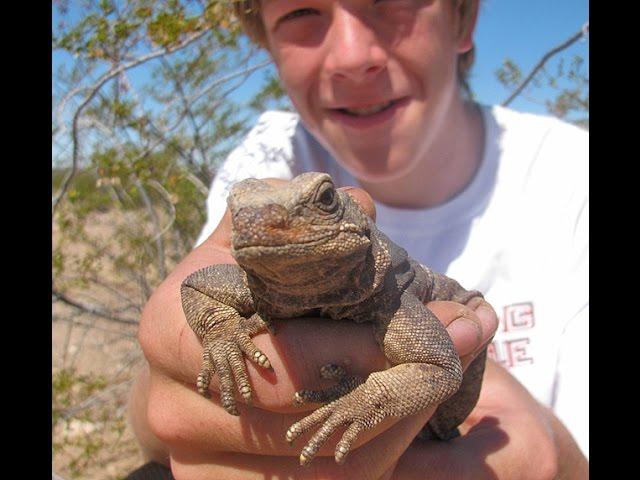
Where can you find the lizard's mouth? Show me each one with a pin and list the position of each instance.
(273, 240)
(279, 259)
(297, 266)
(259, 246)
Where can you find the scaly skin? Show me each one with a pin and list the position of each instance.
(308, 249)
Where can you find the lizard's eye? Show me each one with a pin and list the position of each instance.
(326, 196)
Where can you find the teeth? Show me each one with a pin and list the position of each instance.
(368, 110)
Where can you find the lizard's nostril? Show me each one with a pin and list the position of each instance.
(257, 225)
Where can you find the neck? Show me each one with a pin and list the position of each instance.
(445, 169)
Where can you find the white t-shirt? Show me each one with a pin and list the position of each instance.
(518, 233)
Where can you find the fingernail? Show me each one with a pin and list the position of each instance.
(466, 335)
(488, 318)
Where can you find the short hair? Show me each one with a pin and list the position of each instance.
(248, 12)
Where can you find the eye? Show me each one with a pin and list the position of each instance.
(301, 12)
(326, 196)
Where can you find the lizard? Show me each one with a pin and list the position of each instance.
(308, 249)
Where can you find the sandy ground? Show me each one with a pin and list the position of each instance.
(98, 442)
(95, 441)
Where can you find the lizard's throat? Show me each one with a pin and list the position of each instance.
(339, 281)
(319, 276)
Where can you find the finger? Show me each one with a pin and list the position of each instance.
(469, 331)
(178, 416)
(363, 199)
(487, 316)
(162, 320)
(187, 428)
(368, 462)
(294, 355)
(221, 236)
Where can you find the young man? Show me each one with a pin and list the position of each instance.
(495, 199)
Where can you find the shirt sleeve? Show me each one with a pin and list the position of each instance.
(265, 152)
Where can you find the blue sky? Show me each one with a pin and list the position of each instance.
(520, 30)
(523, 31)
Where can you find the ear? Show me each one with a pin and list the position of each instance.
(467, 14)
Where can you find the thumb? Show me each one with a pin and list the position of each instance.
(363, 199)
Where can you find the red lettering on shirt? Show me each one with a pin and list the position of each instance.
(518, 316)
(513, 352)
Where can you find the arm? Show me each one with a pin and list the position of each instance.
(175, 425)
(205, 442)
(508, 435)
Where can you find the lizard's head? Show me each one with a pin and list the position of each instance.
(297, 232)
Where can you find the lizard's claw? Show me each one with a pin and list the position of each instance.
(359, 410)
(346, 383)
(223, 354)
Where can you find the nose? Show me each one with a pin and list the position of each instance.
(355, 52)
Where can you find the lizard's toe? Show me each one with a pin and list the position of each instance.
(261, 359)
(344, 445)
(203, 386)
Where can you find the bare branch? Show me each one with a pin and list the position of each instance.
(95, 400)
(245, 72)
(117, 333)
(94, 90)
(67, 342)
(584, 30)
(116, 291)
(202, 188)
(63, 103)
(172, 209)
(91, 309)
(157, 238)
(187, 109)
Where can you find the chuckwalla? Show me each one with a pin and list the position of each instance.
(307, 249)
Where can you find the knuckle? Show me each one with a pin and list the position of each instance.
(466, 313)
(164, 416)
(475, 302)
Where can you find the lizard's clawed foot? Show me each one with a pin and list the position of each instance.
(223, 354)
(346, 383)
(359, 410)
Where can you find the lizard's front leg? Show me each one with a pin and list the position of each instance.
(427, 371)
(216, 302)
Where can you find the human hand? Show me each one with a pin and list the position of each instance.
(203, 441)
(508, 435)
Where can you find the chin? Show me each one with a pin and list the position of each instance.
(378, 169)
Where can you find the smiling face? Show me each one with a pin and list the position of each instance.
(373, 80)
